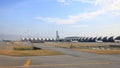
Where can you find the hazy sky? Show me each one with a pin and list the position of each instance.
(41, 18)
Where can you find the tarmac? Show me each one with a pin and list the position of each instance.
(71, 59)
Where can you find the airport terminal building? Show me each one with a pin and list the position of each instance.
(74, 39)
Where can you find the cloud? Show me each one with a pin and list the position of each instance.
(112, 6)
(93, 2)
(106, 29)
(70, 1)
(57, 20)
(79, 26)
(72, 18)
(61, 1)
(117, 13)
(64, 2)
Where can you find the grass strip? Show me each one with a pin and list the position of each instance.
(29, 52)
(101, 51)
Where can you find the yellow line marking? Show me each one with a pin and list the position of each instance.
(27, 62)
